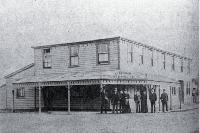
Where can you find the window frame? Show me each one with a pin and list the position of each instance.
(188, 88)
(173, 63)
(130, 53)
(43, 58)
(152, 60)
(73, 56)
(142, 57)
(188, 66)
(98, 53)
(174, 90)
(18, 94)
(164, 61)
(182, 65)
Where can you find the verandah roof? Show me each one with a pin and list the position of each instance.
(91, 77)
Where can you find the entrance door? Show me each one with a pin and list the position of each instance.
(181, 91)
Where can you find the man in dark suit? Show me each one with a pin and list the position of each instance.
(194, 95)
(137, 98)
(127, 108)
(115, 101)
(153, 99)
(164, 100)
(122, 101)
(144, 108)
(104, 101)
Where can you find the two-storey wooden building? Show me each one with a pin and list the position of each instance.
(72, 74)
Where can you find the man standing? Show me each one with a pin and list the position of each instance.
(153, 99)
(164, 100)
(127, 108)
(137, 98)
(144, 108)
(122, 101)
(115, 100)
(104, 101)
(194, 95)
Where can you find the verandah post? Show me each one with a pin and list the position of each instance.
(159, 98)
(101, 86)
(148, 101)
(180, 97)
(170, 98)
(39, 98)
(68, 87)
(13, 102)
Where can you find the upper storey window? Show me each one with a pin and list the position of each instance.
(102, 54)
(188, 66)
(152, 62)
(164, 60)
(182, 65)
(130, 52)
(74, 58)
(142, 57)
(173, 63)
(47, 61)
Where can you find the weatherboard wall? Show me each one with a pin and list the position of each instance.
(157, 68)
(3, 97)
(26, 102)
(87, 59)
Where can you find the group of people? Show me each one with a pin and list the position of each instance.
(195, 95)
(120, 101)
(141, 101)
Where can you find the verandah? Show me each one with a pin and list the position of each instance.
(131, 85)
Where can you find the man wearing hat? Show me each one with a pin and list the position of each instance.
(137, 99)
(104, 101)
(144, 108)
(153, 98)
(122, 101)
(115, 100)
(164, 100)
(127, 108)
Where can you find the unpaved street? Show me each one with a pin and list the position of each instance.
(93, 122)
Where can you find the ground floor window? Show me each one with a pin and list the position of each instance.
(20, 92)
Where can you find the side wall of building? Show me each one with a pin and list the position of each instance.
(157, 68)
(26, 102)
(3, 97)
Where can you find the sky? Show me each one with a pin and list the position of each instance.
(169, 24)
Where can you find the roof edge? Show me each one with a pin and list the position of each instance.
(152, 47)
(79, 42)
(111, 38)
(19, 70)
(2, 85)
